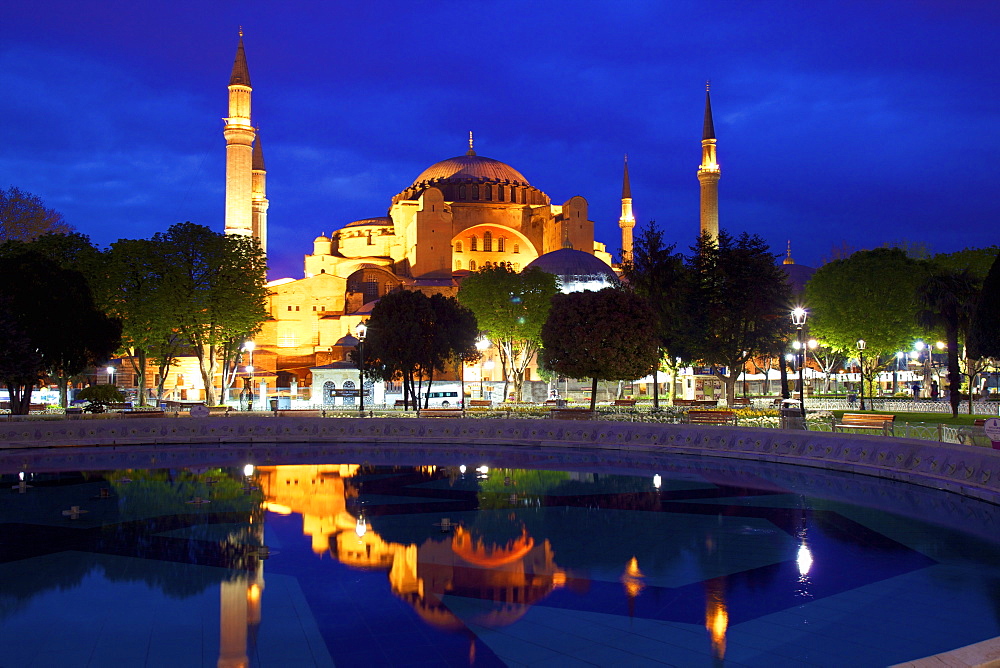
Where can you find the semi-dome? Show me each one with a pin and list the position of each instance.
(576, 270)
(378, 221)
(474, 168)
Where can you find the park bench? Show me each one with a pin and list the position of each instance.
(624, 402)
(480, 403)
(872, 421)
(696, 402)
(402, 404)
(440, 412)
(741, 401)
(710, 417)
(119, 407)
(139, 414)
(571, 414)
(300, 412)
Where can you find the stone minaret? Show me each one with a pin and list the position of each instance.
(627, 221)
(259, 195)
(708, 174)
(239, 134)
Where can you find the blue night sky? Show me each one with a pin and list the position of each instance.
(857, 123)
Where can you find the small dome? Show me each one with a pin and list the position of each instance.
(471, 167)
(321, 238)
(576, 270)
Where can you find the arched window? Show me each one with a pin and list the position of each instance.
(500, 190)
(473, 243)
(517, 248)
(328, 388)
(475, 192)
(517, 266)
(458, 265)
(488, 192)
(472, 265)
(487, 241)
(461, 192)
(501, 244)
(349, 385)
(458, 246)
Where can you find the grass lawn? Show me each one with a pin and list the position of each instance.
(935, 418)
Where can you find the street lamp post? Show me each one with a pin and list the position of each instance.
(799, 316)
(895, 373)
(481, 345)
(861, 367)
(360, 332)
(111, 375)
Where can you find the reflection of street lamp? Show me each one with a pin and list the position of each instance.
(861, 367)
(895, 374)
(799, 316)
(481, 345)
(111, 375)
(360, 332)
(488, 366)
(248, 348)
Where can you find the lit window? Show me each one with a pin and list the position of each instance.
(487, 242)
(517, 248)
(458, 264)
(472, 265)
(458, 246)
(501, 244)
(473, 243)
(517, 266)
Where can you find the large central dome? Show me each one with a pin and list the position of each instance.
(475, 168)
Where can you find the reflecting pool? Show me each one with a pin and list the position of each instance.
(439, 557)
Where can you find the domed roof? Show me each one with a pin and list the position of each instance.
(471, 167)
(577, 270)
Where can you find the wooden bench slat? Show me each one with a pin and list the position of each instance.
(874, 421)
(440, 412)
(711, 417)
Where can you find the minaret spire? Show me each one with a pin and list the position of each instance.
(239, 134)
(258, 198)
(788, 254)
(627, 221)
(708, 173)
(471, 150)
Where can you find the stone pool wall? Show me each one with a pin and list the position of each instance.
(968, 470)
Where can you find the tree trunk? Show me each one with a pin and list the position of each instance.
(593, 394)
(783, 374)
(656, 388)
(954, 374)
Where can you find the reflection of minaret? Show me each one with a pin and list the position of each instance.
(716, 617)
(627, 221)
(259, 195)
(233, 624)
(239, 134)
(708, 174)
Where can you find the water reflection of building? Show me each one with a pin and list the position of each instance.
(512, 575)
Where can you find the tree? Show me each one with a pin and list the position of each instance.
(870, 295)
(411, 336)
(601, 335)
(23, 217)
(50, 324)
(656, 273)
(217, 292)
(511, 308)
(135, 291)
(984, 329)
(737, 305)
(948, 299)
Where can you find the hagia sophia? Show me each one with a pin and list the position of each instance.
(458, 215)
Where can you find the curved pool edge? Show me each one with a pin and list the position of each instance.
(968, 470)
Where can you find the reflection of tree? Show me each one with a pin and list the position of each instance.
(153, 524)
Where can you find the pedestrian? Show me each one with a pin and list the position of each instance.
(916, 390)
(934, 390)
(985, 394)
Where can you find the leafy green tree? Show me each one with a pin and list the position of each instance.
(984, 329)
(601, 335)
(217, 292)
(511, 308)
(737, 304)
(99, 397)
(948, 300)
(976, 260)
(411, 336)
(136, 291)
(870, 295)
(51, 319)
(23, 216)
(656, 272)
